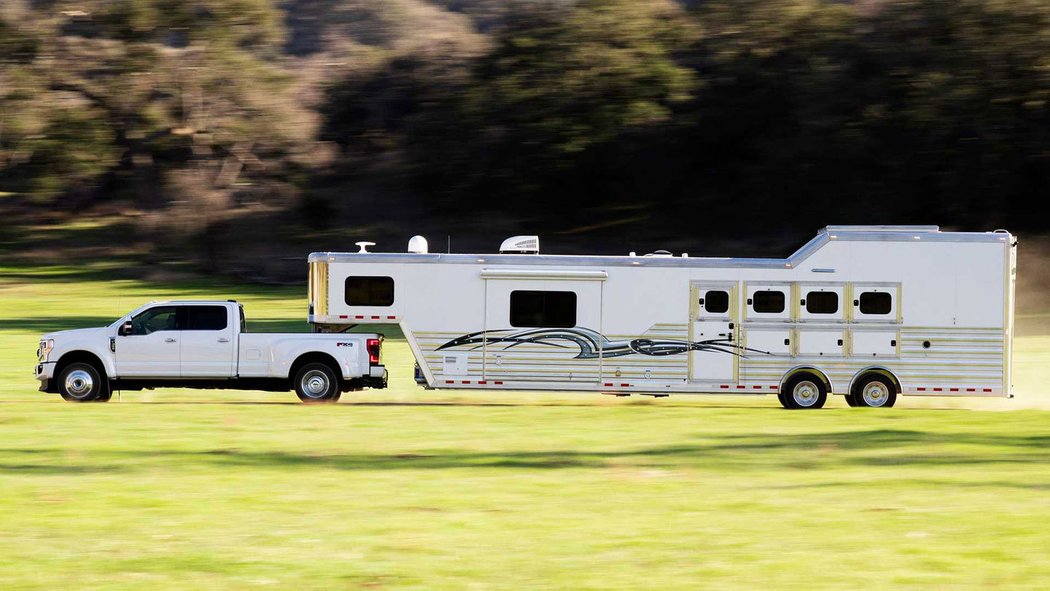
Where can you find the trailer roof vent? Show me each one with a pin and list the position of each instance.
(417, 245)
(660, 253)
(520, 245)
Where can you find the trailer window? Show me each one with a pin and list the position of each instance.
(875, 302)
(768, 302)
(822, 302)
(716, 302)
(369, 291)
(206, 318)
(543, 309)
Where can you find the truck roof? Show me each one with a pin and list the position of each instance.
(193, 302)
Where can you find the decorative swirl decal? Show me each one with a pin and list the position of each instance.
(590, 343)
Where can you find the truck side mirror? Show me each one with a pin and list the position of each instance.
(125, 329)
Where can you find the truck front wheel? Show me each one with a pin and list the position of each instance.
(82, 382)
(316, 382)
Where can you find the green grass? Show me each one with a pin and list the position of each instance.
(404, 488)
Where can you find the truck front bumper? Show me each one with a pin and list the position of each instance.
(45, 374)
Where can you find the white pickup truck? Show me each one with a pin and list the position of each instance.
(204, 344)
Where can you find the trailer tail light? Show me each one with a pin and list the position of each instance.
(374, 348)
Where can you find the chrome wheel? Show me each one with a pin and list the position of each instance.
(79, 383)
(875, 394)
(315, 384)
(804, 390)
(82, 382)
(874, 391)
(805, 394)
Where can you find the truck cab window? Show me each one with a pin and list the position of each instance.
(206, 318)
(154, 320)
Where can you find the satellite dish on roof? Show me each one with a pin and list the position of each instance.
(417, 245)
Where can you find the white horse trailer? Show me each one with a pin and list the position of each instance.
(868, 312)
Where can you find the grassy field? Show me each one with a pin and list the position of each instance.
(404, 488)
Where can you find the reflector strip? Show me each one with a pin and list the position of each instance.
(971, 389)
(987, 389)
(954, 389)
(608, 385)
(921, 389)
(757, 387)
(725, 386)
(343, 316)
(498, 383)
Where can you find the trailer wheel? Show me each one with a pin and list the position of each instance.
(875, 391)
(317, 382)
(851, 400)
(804, 391)
(82, 382)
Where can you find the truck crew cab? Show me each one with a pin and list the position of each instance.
(204, 344)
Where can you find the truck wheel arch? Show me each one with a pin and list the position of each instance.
(82, 357)
(315, 357)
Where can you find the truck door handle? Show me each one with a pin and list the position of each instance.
(224, 340)
(169, 340)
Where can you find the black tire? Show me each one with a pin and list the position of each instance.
(850, 400)
(782, 399)
(82, 382)
(804, 391)
(875, 391)
(316, 382)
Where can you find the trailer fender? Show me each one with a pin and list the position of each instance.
(808, 369)
(875, 369)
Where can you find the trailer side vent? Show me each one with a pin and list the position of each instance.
(520, 245)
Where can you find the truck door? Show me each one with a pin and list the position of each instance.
(152, 348)
(208, 342)
(713, 331)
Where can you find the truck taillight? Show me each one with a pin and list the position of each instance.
(374, 346)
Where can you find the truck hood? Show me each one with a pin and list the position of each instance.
(78, 333)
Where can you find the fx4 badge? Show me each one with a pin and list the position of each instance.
(344, 344)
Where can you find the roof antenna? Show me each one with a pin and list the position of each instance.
(449, 236)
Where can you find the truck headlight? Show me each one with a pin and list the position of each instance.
(46, 346)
